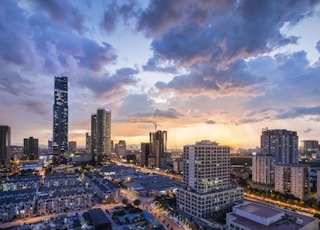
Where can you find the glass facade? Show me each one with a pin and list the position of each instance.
(60, 119)
(5, 144)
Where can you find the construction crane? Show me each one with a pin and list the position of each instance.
(155, 126)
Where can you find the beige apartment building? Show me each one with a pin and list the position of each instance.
(293, 179)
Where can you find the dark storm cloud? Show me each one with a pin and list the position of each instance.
(237, 77)
(211, 122)
(291, 83)
(15, 45)
(300, 111)
(61, 12)
(37, 106)
(162, 15)
(243, 28)
(160, 113)
(115, 12)
(60, 46)
(34, 41)
(110, 84)
(14, 84)
(22, 89)
(249, 120)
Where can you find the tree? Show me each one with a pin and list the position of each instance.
(315, 206)
(125, 201)
(137, 202)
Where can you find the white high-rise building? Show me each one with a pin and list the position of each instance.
(293, 179)
(263, 169)
(207, 190)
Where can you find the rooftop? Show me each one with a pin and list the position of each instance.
(251, 216)
(259, 210)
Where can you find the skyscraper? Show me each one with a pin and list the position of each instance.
(60, 119)
(278, 146)
(30, 149)
(281, 144)
(145, 151)
(309, 147)
(101, 134)
(158, 147)
(72, 148)
(206, 180)
(94, 134)
(5, 144)
(121, 149)
(88, 142)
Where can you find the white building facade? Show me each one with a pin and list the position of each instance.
(206, 188)
(253, 216)
(263, 169)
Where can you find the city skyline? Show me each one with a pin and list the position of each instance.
(215, 70)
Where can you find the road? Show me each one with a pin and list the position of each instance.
(284, 204)
(146, 202)
(147, 170)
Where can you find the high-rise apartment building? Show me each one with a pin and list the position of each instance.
(263, 169)
(101, 134)
(72, 147)
(309, 147)
(293, 179)
(50, 146)
(145, 151)
(281, 144)
(278, 146)
(121, 148)
(60, 119)
(206, 180)
(30, 149)
(5, 144)
(94, 134)
(158, 148)
(88, 142)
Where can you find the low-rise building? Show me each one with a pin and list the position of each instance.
(21, 182)
(104, 189)
(17, 204)
(60, 179)
(252, 216)
(62, 199)
(151, 185)
(178, 165)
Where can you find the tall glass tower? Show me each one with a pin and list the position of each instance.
(5, 145)
(101, 134)
(60, 119)
(158, 148)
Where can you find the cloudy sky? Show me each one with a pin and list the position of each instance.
(216, 70)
